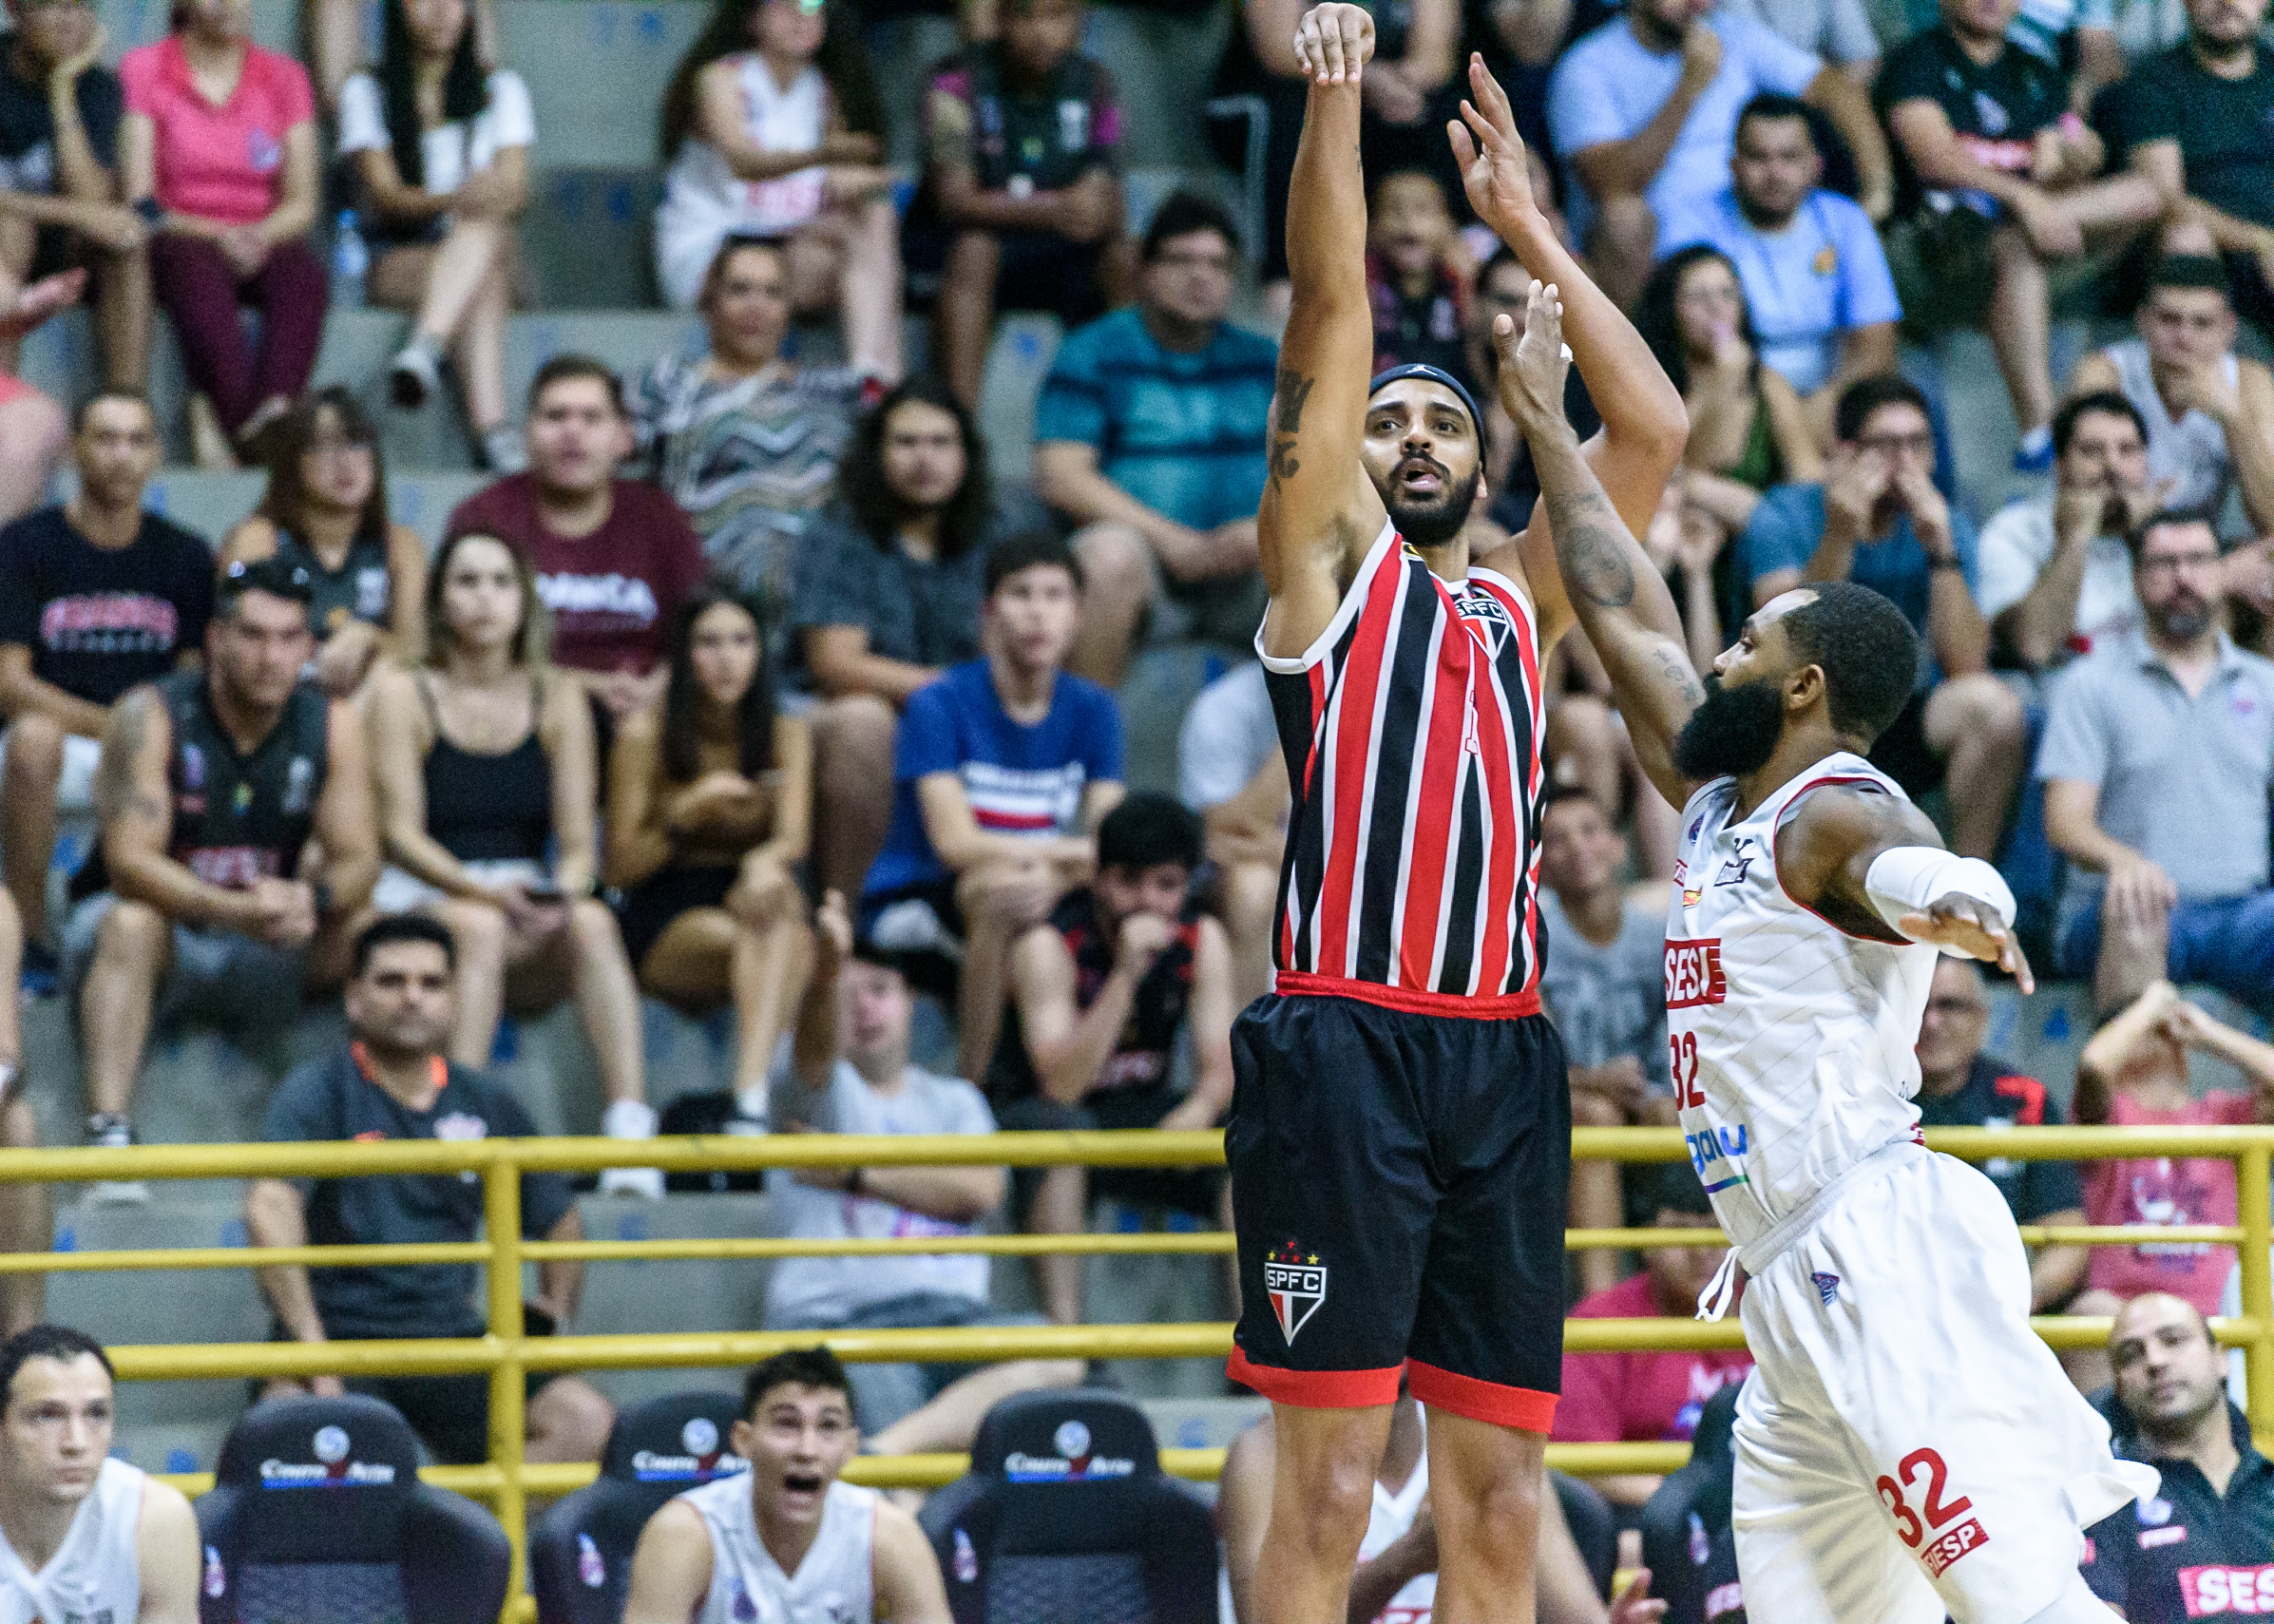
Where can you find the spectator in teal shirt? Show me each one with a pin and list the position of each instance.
(1150, 437)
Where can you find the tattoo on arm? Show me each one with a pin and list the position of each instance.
(1674, 670)
(1587, 531)
(1288, 400)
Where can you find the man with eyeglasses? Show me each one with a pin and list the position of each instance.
(1880, 520)
(1149, 434)
(2156, 762)
(60, 206)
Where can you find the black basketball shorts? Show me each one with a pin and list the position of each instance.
(1398, 1182)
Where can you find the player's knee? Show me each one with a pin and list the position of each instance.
(1481, 1505)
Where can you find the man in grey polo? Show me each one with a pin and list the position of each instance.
(2156, 762)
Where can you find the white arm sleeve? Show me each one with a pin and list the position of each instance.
(1905, 880)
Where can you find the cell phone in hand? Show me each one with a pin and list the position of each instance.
(545, 894)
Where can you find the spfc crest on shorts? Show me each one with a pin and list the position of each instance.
(1296, 1283)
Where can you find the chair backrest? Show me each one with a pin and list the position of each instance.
(316, 1512)
(1066, 1518)
(1686, 1538)
(581, 1548)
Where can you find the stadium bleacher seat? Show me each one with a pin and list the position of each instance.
(1067, 1519)
(580, 1549)
(318, 1513)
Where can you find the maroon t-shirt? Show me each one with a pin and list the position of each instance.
(1638, 1398)
(613, 592)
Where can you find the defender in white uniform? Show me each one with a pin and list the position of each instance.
(786, 1542)
(1907, 1445)
(84, 1538)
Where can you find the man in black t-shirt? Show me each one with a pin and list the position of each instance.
(1962, 1087)
(2202, 1546)
(60, 110)
(391, 1082)
(1021, 207)
(2198, 120)
(1101, 994)
(96, 596)
(1997, 180)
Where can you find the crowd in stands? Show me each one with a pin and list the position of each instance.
(754, 682)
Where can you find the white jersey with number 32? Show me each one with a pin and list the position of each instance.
(1792, 1040)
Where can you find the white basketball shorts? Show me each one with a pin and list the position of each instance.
(1906, 1446)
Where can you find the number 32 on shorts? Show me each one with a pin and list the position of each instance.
(1931, 1529)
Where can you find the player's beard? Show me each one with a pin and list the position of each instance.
(1434, 522)
(1733, 733)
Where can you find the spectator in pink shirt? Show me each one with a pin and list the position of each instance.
(1649, 1398)
(2134, 1074)
(218, 151)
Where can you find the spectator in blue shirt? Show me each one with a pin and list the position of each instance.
(1004, 767)
(1644, 112)
(1150, 435)
(1815, 276)
(1879, 521)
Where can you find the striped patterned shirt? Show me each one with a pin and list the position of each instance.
(1412, 730)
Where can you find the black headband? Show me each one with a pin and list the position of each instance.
(1436, 375)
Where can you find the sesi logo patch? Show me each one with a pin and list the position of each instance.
(1951, 1544)
(2224, 1592)
(1694, 974)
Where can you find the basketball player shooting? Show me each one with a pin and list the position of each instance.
(1905, 1445)
(1401, 1136)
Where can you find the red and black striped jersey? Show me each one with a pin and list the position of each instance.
(1413, 730)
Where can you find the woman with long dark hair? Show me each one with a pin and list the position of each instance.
(772, 128)
(325, 510)
(889, 590)
(441, 148)
(483, 759)
(1747, 429)
(709, 803)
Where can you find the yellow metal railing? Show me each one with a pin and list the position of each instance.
(505, 1354)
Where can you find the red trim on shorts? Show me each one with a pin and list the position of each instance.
(1316, 1389)
(1413, 1001)
(1480, 1401)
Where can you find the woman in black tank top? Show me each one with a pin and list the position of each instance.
(326, 510)
(484, 770)
(708, 805)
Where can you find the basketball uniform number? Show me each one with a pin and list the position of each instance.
(1907, 1525)
(1687, 1092)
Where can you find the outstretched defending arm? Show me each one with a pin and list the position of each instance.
(1620, 598)
(1645, 425)
(1874, 865)
(1320, 512)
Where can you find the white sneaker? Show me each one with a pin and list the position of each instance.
(413, 375)
(631, 1119)
(114, 1133)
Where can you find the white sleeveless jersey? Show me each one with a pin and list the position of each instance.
(1792, 1040)
(93, 1577)
(834, 1585)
